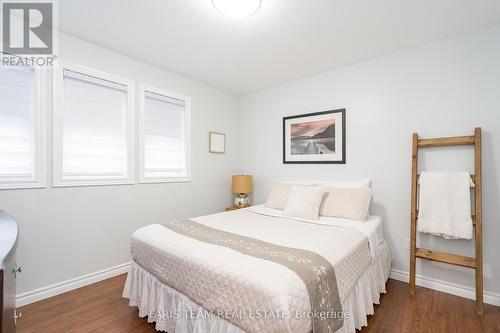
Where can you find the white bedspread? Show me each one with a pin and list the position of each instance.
(372, 227)
(222, 280)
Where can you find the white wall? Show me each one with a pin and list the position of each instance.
(441, 89)
(69, 232)
(445, 88)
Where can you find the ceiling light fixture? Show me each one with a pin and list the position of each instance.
(237, 8)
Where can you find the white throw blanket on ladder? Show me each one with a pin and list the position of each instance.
(445, 204)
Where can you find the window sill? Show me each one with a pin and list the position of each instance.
(79, 183)
(20, 186)
(164, 180)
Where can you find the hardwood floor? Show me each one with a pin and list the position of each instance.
(100, 308)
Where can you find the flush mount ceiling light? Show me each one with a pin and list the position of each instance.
(237, 8)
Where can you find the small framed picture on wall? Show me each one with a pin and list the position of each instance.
(216, 142)
(315, 138)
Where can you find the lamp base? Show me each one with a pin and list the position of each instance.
(241, 200)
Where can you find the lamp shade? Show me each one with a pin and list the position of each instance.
(242, 184)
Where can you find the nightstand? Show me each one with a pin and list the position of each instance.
(236, 207)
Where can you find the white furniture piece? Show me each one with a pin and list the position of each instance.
(8, 273)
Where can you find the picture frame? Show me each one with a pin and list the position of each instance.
(315, 138)
(216, 142)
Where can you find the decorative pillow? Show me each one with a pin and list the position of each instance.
(349, 203)
(304, 202)
(278, 197)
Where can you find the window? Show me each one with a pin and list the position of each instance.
(93, 128)
(21, 128)
(164, 123)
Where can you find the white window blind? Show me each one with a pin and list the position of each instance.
(164, 137)
(95, 142)
(17, 125)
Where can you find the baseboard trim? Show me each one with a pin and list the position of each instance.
(447, 287)
(82, 281)
(68, 285)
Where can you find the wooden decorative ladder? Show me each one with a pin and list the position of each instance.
(474, 263)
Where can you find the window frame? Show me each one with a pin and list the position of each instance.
(39, 136)
(58, 126)
(143, 89)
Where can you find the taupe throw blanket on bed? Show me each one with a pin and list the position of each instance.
(315, 271)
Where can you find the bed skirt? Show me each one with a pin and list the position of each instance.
(173, 312)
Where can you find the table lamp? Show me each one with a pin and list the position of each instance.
(242, 185)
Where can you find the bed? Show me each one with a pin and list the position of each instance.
(187, 285)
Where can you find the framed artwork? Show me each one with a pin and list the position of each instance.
(315, 138)
(216, 142)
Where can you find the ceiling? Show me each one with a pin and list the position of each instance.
(284, 40)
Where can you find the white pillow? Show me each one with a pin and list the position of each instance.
(344, 183)
(304, 202)
(278, 196)
(349, 203)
